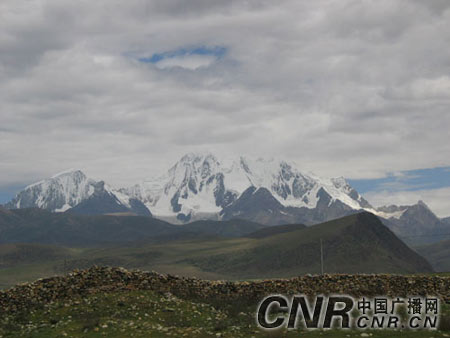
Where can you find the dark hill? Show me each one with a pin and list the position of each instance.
(8, 218)
(438, 254)
(230, 228)
(353, 244)
(40, 226)
(275, 230)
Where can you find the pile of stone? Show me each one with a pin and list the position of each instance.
(106, 279)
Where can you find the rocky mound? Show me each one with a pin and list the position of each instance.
(105, 279)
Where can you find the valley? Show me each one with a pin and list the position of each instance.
(232, 250)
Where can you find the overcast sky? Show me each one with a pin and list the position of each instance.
(122, 89)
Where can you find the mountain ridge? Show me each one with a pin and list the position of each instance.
(34, 225)
(202, 186)
(202, 182)
(417, 224)
(197, 186)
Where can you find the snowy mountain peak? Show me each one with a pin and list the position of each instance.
(202, 183)
(67, 190)
(192, 165)
(422, 204)
(197, 157)
(199, 185)
(57, 193)
(69, 172)
(396, 212)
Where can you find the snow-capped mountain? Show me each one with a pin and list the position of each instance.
(58, 193)
(73, 189)
(203, 186)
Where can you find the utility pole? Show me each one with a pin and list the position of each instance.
(321, 256)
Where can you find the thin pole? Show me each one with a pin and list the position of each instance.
(321, 256)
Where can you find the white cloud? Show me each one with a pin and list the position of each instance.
(353, 88)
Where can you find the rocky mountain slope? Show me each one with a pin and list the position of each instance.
(415, 224)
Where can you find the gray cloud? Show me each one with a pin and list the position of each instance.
(354, 88)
